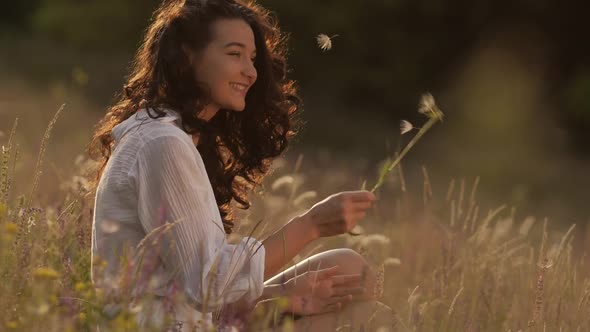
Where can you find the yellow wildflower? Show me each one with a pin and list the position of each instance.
(10, 228)
(45, 273)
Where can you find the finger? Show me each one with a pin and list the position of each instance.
(346, 279)
(345, 291)
(329, 272)
(339, 299)
(361, 206)
(355, 217)
(332, 307)
(361, 196)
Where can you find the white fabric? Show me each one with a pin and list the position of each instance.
(156, 176)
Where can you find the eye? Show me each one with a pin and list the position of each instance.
(234, 53)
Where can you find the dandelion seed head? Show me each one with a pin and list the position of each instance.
(324, 41)
(428, 107)
(406, 126)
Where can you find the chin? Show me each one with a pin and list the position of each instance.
(237, 107)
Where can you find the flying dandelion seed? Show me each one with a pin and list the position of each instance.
(325, 42)
(1, 134)
(406, 126)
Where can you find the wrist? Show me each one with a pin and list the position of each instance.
(308, 228)
(275, 290)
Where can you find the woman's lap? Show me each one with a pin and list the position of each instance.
(363, 313)
(348, 260)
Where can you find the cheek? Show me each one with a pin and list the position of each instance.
(218, 77)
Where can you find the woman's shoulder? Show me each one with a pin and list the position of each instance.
(165, 139)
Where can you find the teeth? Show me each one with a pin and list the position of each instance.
(237, 86)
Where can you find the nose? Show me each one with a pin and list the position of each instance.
(249, 71)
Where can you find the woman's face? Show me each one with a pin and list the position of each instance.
(226, 65)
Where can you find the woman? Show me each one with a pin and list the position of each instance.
(205, 110)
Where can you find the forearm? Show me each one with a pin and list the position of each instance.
(273, 291)
(284, 244)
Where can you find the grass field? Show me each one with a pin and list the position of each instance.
(447, 263)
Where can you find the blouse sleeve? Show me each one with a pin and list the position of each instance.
(173, 186)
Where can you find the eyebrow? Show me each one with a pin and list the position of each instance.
(236, 44)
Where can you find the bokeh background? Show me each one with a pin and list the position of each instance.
(513, 78)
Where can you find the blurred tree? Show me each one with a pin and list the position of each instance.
(93, 24)
(387, 53)
(15, 14)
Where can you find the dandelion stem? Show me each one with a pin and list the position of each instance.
(406, 149)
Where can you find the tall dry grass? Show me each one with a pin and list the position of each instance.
(445, 263)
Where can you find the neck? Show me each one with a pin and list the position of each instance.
(195, 139)
(208, 112)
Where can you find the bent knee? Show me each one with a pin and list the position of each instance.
(350, 261)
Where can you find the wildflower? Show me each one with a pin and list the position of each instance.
(10, 228)
(406, 126)
(40, 310)
(80, 286)
(325, 42)
(45, 273)
(12, 324)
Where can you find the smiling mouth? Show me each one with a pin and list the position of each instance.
(242, 88)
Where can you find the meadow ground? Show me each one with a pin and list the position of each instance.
(446, 262)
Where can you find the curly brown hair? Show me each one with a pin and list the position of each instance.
(237, 147)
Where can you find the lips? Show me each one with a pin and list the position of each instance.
(240, 87)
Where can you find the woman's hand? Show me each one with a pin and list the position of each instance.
(339, 213)
(324, 283)
(320, 291)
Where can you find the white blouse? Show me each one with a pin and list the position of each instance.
(156, 176)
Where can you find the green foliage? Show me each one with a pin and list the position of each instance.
(93, 24)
